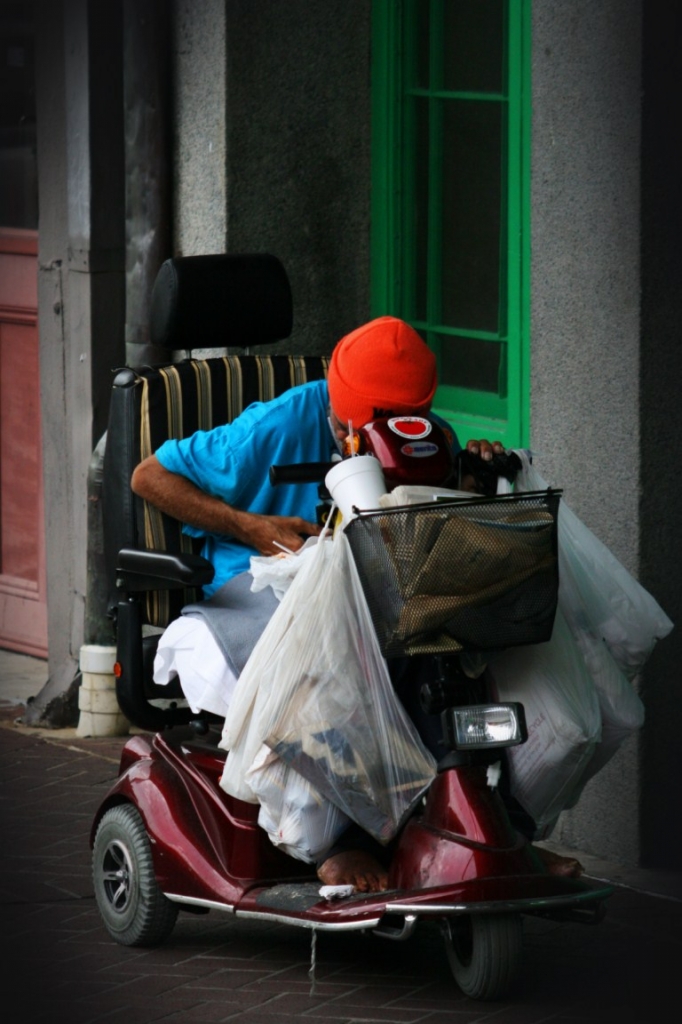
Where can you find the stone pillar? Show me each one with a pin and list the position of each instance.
(80, 300)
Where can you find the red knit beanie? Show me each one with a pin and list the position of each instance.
(381, 369)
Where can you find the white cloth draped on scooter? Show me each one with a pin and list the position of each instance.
(209, 645)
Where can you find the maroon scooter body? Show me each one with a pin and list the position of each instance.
(459, 855)
(411, 450)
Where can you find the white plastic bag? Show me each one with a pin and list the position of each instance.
(245, 727)
(614, 622)
(316, 689)
(295, 815)
(614, 605)
(278, 571)
(621, 709)
(561, 703)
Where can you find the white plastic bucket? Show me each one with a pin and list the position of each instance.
(100, 714)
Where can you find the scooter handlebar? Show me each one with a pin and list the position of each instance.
(486, 474)
(300, 473)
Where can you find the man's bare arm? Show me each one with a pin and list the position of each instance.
(179, 497)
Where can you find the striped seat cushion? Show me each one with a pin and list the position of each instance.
(176, 400)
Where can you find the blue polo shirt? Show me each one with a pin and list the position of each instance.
(232, 462)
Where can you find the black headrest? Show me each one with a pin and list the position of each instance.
(219, 301)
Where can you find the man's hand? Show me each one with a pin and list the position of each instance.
(271, 534)
(471, 475)
(485, 449)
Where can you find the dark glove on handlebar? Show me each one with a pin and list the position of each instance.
(486, 474)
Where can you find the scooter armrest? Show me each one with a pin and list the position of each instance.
(143, 569)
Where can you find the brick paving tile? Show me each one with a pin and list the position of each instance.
(403, 999)
(473, 1014)
(456, 1001)
(261, 1016)
(328, 989)
(236, 996)
(291, 1004)
(216, 1012)
(230, 979)
(128, 1014)
(266, 1015)
(146, 987)
(359, 1010)
(156, 1004)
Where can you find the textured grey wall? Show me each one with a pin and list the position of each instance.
(298, 154)
(199, 193)
(272, 147)
(585, 405)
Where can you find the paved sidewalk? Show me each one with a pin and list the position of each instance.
(58, 962)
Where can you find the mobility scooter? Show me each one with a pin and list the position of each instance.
(167, 837)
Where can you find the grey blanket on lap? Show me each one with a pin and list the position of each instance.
(236, 616)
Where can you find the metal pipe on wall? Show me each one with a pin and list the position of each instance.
(148, 169)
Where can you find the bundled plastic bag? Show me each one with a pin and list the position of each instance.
(564, 722)
(316, 690)
(603, 594)
(613, 624)
(295, 815)
(621, 709)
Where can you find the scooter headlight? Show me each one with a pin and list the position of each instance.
(480, 726)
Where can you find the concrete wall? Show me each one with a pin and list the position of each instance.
(199, 192)
(295, 181)
(585, 326)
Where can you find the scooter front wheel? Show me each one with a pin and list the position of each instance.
(134, 910)
(484, 952)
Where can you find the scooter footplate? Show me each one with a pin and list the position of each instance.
(303, 896)
(292, 896)
(301, 904)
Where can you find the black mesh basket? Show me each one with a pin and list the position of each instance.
(464, 574)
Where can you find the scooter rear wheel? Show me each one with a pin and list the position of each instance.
(134, 910)
(484, 952)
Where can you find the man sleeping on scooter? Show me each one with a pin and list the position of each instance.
(217, 484)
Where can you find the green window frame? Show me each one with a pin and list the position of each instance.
(450, 238)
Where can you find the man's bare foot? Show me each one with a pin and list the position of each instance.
(354, 867)
(555, 864)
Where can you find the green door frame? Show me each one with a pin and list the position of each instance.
(504, 415)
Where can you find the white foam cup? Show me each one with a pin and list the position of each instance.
(357, 481)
